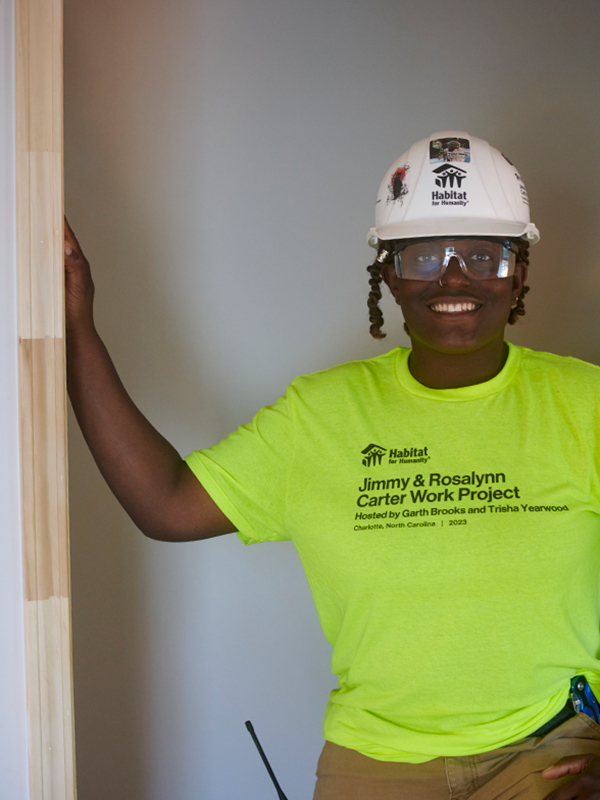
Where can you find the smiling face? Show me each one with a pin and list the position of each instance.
(456, 314)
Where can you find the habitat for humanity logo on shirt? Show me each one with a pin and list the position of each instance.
(373, 455)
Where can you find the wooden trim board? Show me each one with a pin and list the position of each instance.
(39, 176)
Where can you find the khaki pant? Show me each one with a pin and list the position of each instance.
(503, 774)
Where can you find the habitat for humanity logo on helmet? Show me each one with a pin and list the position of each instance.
(373, 453)
(397, 188)
(449, 177)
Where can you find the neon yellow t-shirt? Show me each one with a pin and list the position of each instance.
(451, 541)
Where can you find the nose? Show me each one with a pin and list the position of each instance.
(454, 275)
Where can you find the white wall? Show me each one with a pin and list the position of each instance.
(222, 161)
(13, 720)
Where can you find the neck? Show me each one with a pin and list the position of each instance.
(439, 370)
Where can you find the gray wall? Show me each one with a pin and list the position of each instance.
(222, 161)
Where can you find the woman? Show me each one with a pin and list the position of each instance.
(444, 501)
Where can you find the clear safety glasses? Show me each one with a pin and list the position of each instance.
(479, 259)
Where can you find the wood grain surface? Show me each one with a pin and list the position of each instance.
(39, 174)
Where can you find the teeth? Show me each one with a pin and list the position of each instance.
(453, 308)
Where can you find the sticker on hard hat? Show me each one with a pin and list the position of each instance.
(522, 189)
(449, 178)
(397, 186)
(444, 150)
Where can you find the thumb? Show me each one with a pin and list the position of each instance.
(569, 765)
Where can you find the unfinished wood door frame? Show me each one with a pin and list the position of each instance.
(42, 397)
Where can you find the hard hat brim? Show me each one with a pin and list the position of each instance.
(458, 226)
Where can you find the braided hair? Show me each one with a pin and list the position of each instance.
(385, 257)
(523, 258)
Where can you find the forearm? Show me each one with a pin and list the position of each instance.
(142, 469)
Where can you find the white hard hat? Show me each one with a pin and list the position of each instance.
(452, 184)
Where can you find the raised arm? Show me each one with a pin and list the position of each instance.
(149, 478)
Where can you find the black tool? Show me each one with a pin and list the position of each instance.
(280, 793)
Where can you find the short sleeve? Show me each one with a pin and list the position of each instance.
(247, 473)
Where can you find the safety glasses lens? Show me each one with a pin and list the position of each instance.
(480, 259)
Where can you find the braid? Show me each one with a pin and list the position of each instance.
(375, 270)
(523, 258)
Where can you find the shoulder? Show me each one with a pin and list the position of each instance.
(564, 371)
(539, 360)
(354, 377)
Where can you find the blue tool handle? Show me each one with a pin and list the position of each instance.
(583, 699)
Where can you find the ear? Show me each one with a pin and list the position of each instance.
(519, 278)
(392, 281)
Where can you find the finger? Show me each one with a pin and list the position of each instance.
(68, 230)
(569, 765)
(71, 243)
